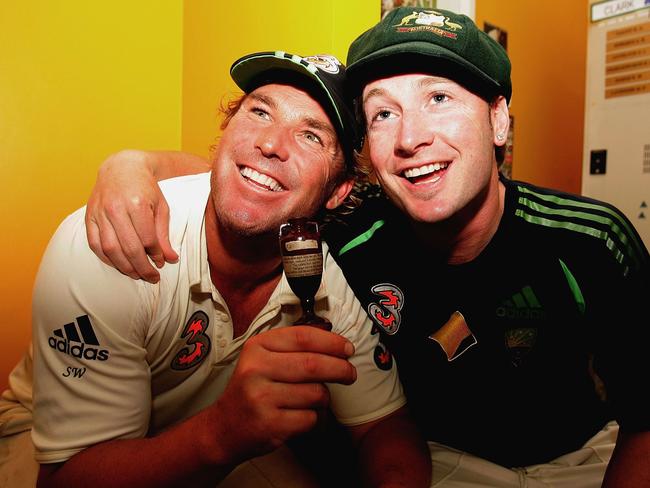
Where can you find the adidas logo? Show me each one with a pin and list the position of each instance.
(522, 305)
(68, 341)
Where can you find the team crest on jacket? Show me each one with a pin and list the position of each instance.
(385, 312)
(197, 342)
(519, 342)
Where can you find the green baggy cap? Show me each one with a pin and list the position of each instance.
(420, 40)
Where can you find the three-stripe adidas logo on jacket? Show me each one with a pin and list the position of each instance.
(69, 341)
(522, 305)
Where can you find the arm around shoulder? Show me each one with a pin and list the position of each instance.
(127, 217)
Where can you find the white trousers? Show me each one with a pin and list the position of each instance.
(584, 468)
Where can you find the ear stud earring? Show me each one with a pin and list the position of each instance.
(499, 137)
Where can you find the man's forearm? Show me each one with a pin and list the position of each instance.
(182, 456)
(167, 164)
(160, 165)
(394, 454)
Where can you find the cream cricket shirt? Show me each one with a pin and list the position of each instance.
(116, 358)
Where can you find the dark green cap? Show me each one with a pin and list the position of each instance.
(420, 40)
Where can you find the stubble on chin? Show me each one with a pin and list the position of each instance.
(246, 224)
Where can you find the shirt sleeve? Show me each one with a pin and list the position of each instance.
(377, 391)
(91, 378)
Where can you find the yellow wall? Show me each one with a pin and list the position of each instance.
(547, 44)
(78, 81)
(218, 33)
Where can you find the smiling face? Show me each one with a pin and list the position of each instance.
(278, 158)
(432, 143)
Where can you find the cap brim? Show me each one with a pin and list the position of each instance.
(247, 73)
(247, 69)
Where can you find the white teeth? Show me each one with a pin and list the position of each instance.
(424, 170)
(260, 179)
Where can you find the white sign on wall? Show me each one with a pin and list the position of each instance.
(613, 8)
(616, 165)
